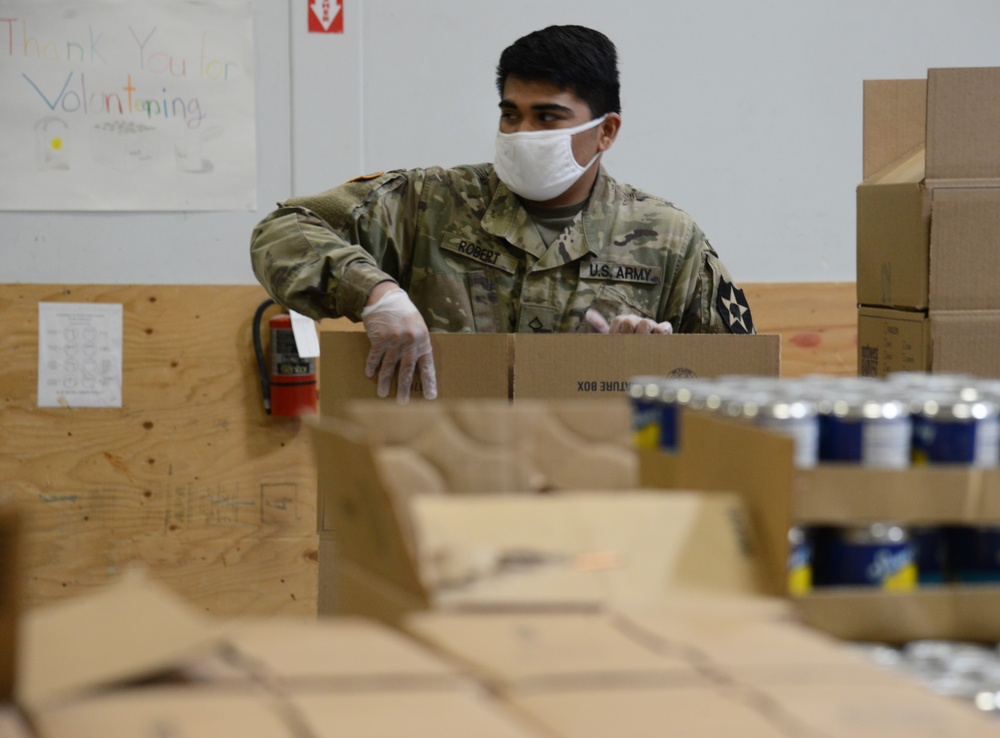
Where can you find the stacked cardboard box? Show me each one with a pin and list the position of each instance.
(928, 224)
(775, 493)
(714, 666)
(133, 659)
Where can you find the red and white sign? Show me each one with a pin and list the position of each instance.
(326, 16)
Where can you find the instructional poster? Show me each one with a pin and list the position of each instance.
(122, 105)
(79, 354)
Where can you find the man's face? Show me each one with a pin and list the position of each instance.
(537, 106)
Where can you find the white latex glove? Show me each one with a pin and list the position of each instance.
(399, 341)
(626, 324)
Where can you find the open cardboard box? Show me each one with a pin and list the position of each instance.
(545, 367)
(963, 341)
(134, 659)
(928, 209)
(757, 464)
(487, 505)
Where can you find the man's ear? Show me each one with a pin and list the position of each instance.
(608, 131)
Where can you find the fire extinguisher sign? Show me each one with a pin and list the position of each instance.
(326, 16)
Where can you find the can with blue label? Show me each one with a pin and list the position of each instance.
(949, 430)
(868, 431)
(644, 397)
(974, 553)
(879, 555)
(675, 395)
(799, 560)
(931, 547)
(796, 418)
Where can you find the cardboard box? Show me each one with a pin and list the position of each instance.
(130, 660)
(411, 714)
(439, 505)
(963, 341)
(550, 366)
(928, 209)
(526, 652)
(842, 494)
(338, 654)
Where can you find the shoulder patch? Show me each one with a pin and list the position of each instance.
(733, 308)
(366, 177)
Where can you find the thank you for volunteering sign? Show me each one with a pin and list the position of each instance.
(117, 105)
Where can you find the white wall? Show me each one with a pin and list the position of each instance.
(745, 114)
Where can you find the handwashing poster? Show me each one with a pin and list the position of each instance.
(123, 105)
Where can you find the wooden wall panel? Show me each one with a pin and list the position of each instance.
(190, 477)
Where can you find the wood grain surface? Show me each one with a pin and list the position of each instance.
(190, 477)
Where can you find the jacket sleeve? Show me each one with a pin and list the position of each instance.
(321, 255)
(711, 302)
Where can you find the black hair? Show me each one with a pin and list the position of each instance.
(573, 58)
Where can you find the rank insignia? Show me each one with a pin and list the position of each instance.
(733, 307)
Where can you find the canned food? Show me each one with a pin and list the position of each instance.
(799, 561)
(876, 555)
(675, 395)
(869, 431)
(974, 553)
(644, 396)
(947, 430)
(797, 419)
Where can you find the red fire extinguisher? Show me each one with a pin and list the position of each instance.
(287, 381)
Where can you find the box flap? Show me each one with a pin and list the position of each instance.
(963, 123)
(168, 712)
(333, 653)
(579, 548)
(414, 715)
(895, 113)
(900, 707)
(132, 629)
(492, 445)
(648, 711)
(354, 505)
(573, 366)
(766, 492)
(543, 651)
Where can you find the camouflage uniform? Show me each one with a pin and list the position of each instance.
(470, 257)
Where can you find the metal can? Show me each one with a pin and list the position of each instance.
(644, 398)
(795, 418)
(799, 561)
(930, 543)
(949, 430)
(866, 430)
(675, 395)
(877, 555)
(973, 553)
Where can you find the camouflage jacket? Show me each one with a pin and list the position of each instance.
(470, 257)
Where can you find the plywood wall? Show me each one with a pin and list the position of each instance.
(191, 478)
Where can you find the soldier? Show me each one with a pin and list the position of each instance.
(543, 240)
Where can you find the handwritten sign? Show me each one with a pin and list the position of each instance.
(113, 105)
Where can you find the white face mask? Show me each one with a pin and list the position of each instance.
(539, 165)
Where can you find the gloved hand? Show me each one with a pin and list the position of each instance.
(399, 338)
(626, 324)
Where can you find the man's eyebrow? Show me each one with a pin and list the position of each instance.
(540, 107)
